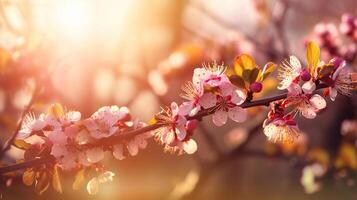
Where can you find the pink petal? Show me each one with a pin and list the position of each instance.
(220, 118)
(237, 114)
(174, 108)
(185, 108)
(309, 87)
(181, 132)
(118, 152)
(294, 89)
(57, 137)
(309, 112)
(226, 88)
(95, 155)
(318, 102)
(190, 146)
(133, 148)
(238, 96)
(208, 100)
(333, 93)
(198, 75)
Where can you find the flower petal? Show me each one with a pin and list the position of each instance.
(318, 102)
(237, 114)
(93, 186)
(95, 155)
(133, 148)
(181, 132)
(190, 146)
(118, 152)
(208, 100)
(333, 93)
(309, 87)
(238, 96)
(219, 118)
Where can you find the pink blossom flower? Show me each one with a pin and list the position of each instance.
(303, 101)
(197, 99)
(211, 75)
(175, 135)
(103, 123)
(31, 125)
(227, 105)
(343, 82)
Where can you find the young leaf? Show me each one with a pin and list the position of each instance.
(56, 110)
(21, 144)
(28, 177)
(313, 56)
(237, 81)
(254, 75)
(42, 183)
(243, 62)
(267, 70)
(56, 181)
(79, 180)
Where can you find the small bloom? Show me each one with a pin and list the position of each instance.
(343, 82)
(94, 183)
(210, 75)
(289, 72)
(197, 98)
(103, 123)
(228, 105)
(303, 101)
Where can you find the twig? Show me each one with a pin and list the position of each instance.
(10, 141)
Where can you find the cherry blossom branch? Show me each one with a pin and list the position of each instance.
(127, 135)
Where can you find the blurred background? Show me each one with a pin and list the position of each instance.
(86, 54)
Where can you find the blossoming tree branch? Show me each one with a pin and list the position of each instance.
(61, 140)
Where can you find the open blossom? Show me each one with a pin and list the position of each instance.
(281, 130)
(94, 183)
(197, 99)
(175, 135)
(289, 72)
(228, 105)
(103, 123)
(211, 75)
(303, 101)
(343, 82)
(31, 125)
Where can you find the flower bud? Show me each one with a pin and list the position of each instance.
(256, 87)
(191, 125)
(348, 19)
(305, 75)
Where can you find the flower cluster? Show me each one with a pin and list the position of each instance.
(301, 82)
(74, 142)
(330, 37)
